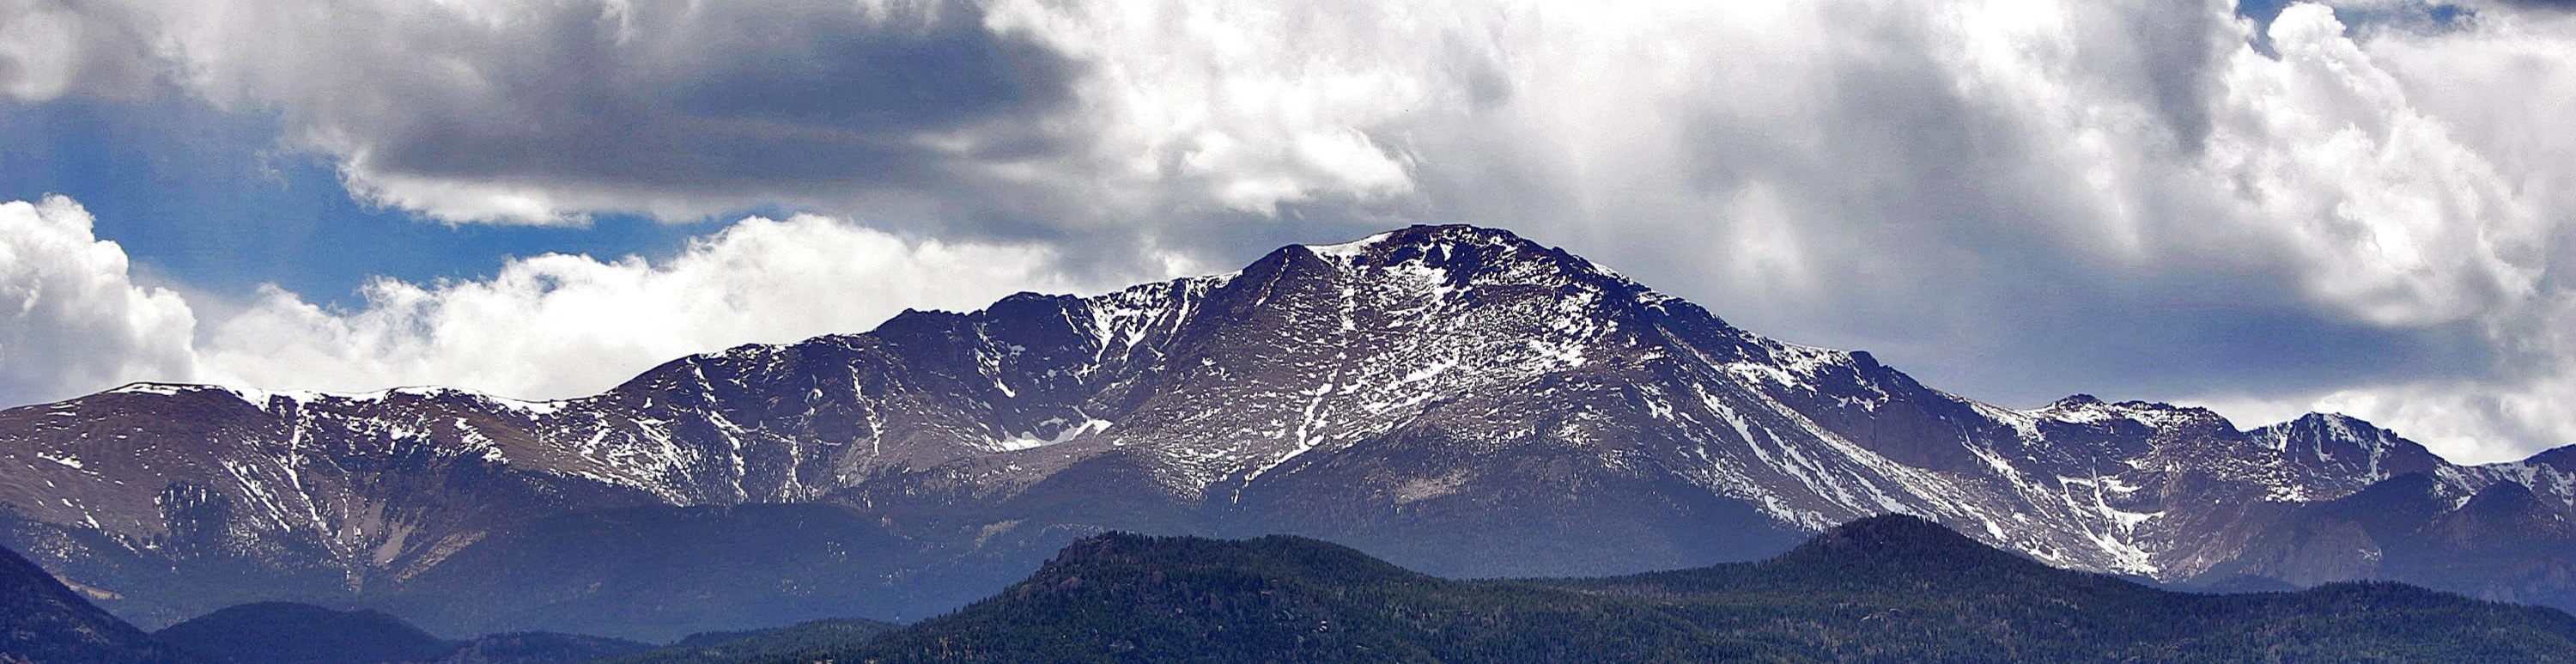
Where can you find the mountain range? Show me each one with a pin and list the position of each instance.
(43, 621)
(1889, 588)
(290, 633)
(1456, 400)
(1883, 589)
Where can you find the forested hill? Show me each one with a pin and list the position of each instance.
(1879, 589)
(42, 620)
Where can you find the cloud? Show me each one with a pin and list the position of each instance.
(50, 48)
(544, 326)
(2511, 408)
(2513, 157)
(2019, 199)
(561, 325)
(547, 112)
(72, 318)
(986, 120)
(2398, 222)
(2015, 199)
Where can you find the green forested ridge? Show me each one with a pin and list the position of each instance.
(291, 633)
(711, 647)
(1880, 589)
(43, 620)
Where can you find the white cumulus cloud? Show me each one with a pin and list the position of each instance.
(72, 317)
(544, 326)
(563, 325)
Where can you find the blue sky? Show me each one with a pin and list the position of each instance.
(2294, 207)
(209, 199)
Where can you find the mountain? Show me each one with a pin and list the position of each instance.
(1457, 400)
(2505, 542)
(753, 645)
(42, 622)
(1881, 589)
(540, 648)
(291, 633)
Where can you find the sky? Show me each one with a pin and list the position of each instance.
(2265, 209)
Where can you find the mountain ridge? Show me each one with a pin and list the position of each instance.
(1458, 399)
(1887, 588)
(42, 620)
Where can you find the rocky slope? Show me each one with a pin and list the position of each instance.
(1459, 400)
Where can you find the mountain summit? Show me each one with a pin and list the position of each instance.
(1456, 399)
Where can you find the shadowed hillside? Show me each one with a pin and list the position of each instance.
(1888, 588)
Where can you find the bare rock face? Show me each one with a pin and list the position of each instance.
(1456, 399)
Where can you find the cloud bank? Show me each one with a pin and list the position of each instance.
(71, 316)
(545, 326)
(2015, 199)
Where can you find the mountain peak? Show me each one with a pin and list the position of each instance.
(1421, 235)
(292, 632)
(1437, 243)
(1899, 545)
(1894, 537)
(2347, 431)
(2086, 408)
(2082, 401)
(1459, 255)
(2077, 400)
(1118, 557)
(2323, 426)
(1890, 528)
(2334, 420)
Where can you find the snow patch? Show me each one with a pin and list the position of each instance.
(1031, 440)
(1349, 250)
(163, 389)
